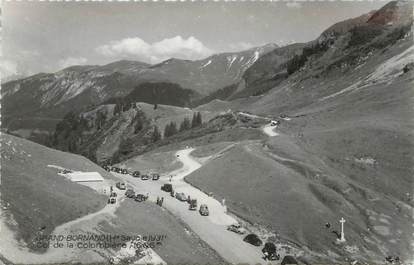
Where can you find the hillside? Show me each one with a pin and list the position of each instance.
(109, 131)
(35, 201)
(45, 98)
(35, 198)
(342, 145)
(346, 149)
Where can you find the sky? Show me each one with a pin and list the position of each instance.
(49, 36)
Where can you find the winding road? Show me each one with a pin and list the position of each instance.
(213, 228)
(268, 128)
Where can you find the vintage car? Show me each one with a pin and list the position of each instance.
(130, 193)
(237, 228)
(181, 196)
(204, 210)
(253, 239)
(167, 187)
(121, 185)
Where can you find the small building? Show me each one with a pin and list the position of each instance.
(85, 177)
(289, 260)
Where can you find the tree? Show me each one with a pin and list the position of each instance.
(138, 125)
(185, 124)
(170, 129)
(117, 108)
(199, 119)
(156, 135)
(100, 120)
(196, 121)
(173, 128)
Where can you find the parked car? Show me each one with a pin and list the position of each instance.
(269, 251)
(130, 193)
(155, 176)
(253, 239)
(237, 228)
(167, 187)
(136, 174)
(121, 185)
(111, 200)
(113, 194)
(145, 177)
(107, 168)
(181, 196)
(193, 205)
(124, 171)
(141, 197)
(204, 210)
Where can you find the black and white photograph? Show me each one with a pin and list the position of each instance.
(207, 132)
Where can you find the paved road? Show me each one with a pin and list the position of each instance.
(211, 229)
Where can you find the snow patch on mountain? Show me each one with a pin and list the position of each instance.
(230, 61)
(206, 64)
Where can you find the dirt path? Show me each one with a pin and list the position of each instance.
(267, 129)
(211, 229)
(18, 253)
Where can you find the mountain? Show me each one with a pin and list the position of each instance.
(345, 141)
(344, 146)
(43, 99)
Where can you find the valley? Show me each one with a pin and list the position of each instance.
(276, 144)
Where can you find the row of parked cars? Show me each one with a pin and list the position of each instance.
(130, 193)
(269, 249)
(135, 174)
(192, 203)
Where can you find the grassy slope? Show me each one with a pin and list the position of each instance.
(328, 178)
(181, 246)
(165, 114)
(160, 162)
(36, 196)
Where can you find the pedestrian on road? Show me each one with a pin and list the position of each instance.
(171, 178)
(158, 200)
